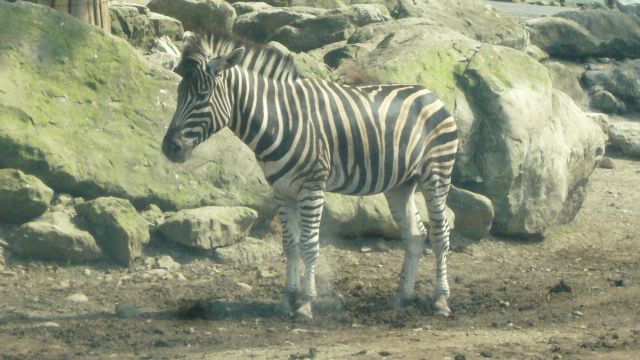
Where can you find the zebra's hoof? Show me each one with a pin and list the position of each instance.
(304, 312)
(441, 308)
(402, 301)
(284, 308)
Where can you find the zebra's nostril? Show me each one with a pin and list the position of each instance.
(175, 147)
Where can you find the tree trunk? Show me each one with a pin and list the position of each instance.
(95, 12)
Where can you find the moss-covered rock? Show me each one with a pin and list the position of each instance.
(83, 112)
(209, 227)
(121, 232)
(54, 236)
(535, 148)
(22, 197)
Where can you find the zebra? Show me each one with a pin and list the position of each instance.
(313, 136)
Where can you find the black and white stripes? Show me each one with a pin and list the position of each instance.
(311, 137)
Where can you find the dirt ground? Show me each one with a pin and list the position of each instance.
(505, 299)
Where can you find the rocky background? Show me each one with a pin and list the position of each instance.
(82, 177)
(107, 250)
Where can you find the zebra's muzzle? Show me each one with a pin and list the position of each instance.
(175, 148)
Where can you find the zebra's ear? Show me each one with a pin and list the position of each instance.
(233, 58)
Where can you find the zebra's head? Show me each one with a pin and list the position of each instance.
(203, 106)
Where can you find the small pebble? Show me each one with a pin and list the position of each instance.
(577, 313)
(607, 163)
(244, 286)
(77, 298)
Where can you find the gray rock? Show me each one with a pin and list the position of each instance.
(22, 197)
(162, 25)
(130, 21)
(580, 34)
(606, 102)
(166, 262)
(153, 215)
(335, 25)
(472, 18)
(602, 120)
(621, 80)
(54, 236)
(250, 252)
(526, 149)
(247, 7)
(197, 15)
(77, 298)
(474, 213)
(208, 227)
(119, 229)
(625, 136)
(139, 26)
(307, 34)
(566, 77)
(262, 24)
(607, 163)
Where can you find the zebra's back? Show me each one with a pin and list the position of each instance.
(377, 137)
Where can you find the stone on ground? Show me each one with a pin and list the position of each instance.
(119, 229)
(625, 136)
(474, 213)
(250, 252)
(22, 197)
(208, 227)
(54, 236)
(166, 262)
(197, 15)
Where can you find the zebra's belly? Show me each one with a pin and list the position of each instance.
(361, 181)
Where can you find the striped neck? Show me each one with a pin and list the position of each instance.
(256, 115)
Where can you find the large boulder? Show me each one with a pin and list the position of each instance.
(54, 236)
(621, 80)
(208, 227)
(22, 197)
(69, 92)
(535, 148)
(625, 136)
(197, 15)
(588, 33)
(121, 232)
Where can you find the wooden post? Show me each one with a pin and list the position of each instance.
(94, 12)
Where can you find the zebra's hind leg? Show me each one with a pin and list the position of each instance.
(435, 189)
(310, 205)
(290, 219)
(403, 208)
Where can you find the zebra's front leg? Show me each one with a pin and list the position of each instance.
(290, 219)
(310, 204)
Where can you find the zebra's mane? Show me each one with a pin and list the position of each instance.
(266, 60)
